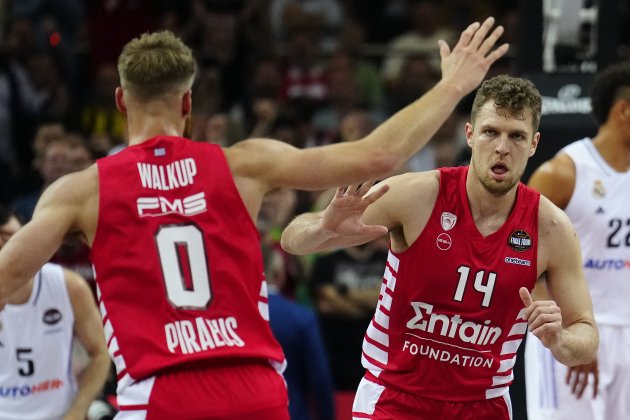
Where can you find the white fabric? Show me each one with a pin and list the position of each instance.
(36, 380)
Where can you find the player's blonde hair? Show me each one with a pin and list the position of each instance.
(154, 64)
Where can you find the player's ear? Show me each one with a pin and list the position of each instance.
(469, 134)
(120, 100)
(186, 103)
(534, 145)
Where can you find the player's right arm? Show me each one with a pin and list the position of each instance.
(277, 164)
(59, 212)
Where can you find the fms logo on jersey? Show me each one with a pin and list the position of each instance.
(520, 240)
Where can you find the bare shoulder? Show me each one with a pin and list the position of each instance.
(77, 286)
(554, 226)
(74, 281)
(555, 179)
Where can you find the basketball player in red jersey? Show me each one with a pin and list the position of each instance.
(171, 227)
(467, 246)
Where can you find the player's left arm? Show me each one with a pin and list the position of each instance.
(89, 331)
(564, 324)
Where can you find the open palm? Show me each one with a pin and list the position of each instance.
(343, 216)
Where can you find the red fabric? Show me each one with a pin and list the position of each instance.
(164, 195)
(447, 329)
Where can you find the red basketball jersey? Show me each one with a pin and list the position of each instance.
(177, 260)
(449, 319)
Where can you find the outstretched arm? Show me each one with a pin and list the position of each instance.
(278, 164)
(339, 225)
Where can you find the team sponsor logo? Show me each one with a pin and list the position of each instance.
(159, 206)
(52, 316)
(448, 220)
(446, 356)
(520, 240)
(607, 264)
(598, 189)
(452, 326)
(518, 261)
(16, 391)
(444, 241)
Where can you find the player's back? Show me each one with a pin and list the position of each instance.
(177, 260)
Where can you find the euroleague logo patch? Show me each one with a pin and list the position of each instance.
(520, 241)
(444, 241)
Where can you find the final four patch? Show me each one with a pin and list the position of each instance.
(520, 240)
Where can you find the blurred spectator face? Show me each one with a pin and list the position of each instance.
(267, 78)
(106, 82)
(8, 229)
(43, 71)
(20, 37)
(277, 208)
(417, 76)
(62, 157)
(217, 128)
(355, 125)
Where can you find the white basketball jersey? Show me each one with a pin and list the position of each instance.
(600, 211)
(36, 381)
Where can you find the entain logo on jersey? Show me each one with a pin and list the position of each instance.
(520, 241)
(451, 326)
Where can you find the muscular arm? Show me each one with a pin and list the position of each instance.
(570, 332)
(89, 331)
(555, 179)
(400, 205)
(277, 164)
(57, 214)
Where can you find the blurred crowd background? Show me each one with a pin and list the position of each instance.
(307, 72)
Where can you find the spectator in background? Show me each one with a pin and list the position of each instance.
(324, 17)
(102, 123)
(346, 286)
(426, 30)
(58, 153)
(296, 327)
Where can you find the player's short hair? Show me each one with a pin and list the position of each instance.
(156, 63)
(610, 85)
(512, 94)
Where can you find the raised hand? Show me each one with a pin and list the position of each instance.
(543, 317)
(467, 64)
(343, 215)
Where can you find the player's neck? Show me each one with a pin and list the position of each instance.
(146, 125)
(489, 211)
(614, 149)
